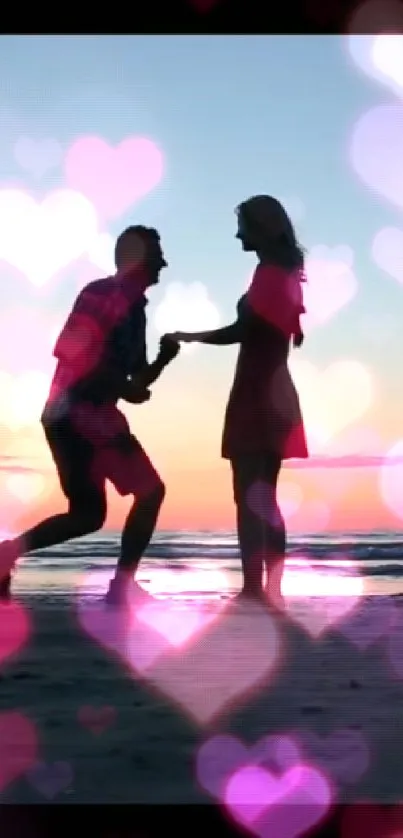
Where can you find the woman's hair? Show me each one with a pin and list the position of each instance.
(271, 232)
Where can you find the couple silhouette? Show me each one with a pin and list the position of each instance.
(102, 358)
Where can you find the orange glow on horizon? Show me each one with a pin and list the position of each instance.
(202, 500)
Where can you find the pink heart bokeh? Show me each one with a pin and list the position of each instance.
(15, 629)
(331, 283)
(285, 805)
(96, 719)
(118, 632)
(369, 623)
(391, 479)
(18, 746)
(329, 596)
(234, 657)
(113, 178)
(223, 757)
(233, 654)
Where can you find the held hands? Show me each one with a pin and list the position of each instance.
(169, 348)
(178, 337)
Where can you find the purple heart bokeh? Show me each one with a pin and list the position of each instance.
(219, 757)
(37, 156)
(261, 500)
(134, 643)
(387, 252)
(50, 778)
(376, 150)
(395, 644)
(343, 754)
(372, 620)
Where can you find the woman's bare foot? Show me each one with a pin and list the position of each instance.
(124, 591)
(275, 599)
(251, 595)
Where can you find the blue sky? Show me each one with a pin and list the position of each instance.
(234, 116)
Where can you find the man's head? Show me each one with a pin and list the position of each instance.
(140, 246)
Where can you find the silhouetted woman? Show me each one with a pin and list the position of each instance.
(263, 422)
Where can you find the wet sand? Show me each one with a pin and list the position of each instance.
(94, 711)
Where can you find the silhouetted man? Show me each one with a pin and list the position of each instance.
(102, 357)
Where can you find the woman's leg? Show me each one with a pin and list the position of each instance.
(261, 529)
(274, 535)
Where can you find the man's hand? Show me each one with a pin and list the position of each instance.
(169, 349)
(135, 394)
(141, 380)
(298, 338)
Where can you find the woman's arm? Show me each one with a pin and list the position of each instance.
(215, 337)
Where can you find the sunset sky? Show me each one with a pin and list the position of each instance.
(195, 125)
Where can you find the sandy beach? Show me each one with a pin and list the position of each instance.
(98, 714)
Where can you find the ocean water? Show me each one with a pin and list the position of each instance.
(208, 562)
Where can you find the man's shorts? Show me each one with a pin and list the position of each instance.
(94, 444)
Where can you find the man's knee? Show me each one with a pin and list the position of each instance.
(90, 513)
(153, 498)
(157, 494)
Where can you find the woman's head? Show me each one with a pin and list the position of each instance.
(264, 227)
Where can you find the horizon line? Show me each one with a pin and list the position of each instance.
(16, 465)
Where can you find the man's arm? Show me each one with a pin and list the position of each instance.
(226, 336)
(81, 344)
(150, 372)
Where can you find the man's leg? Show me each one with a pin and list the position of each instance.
(86, 512)
(139, 529)
(143, 481)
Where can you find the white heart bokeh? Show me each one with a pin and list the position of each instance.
(387, 56)
(22, 398)
(26, 487)
(42, 239)
(101, 253)
(331, 399)
(379, 52)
